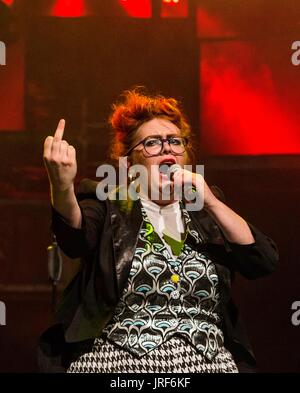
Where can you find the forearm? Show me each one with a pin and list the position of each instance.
(233, 226)
(65, 203)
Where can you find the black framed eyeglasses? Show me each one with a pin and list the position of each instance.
(153, 145)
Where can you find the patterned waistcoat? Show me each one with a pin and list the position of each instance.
(154, 306)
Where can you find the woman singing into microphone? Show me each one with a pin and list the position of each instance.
(153, 290)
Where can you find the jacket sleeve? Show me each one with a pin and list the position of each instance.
(82, 242)
(254, 260)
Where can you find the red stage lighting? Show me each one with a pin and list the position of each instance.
(174, 9)
(137, 8)
(69, 9)
(210, 25)
(247, 101)
(8, 2)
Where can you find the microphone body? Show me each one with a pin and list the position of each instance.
(172, 169)
(54, 262)
(169, 170)
(187, 191)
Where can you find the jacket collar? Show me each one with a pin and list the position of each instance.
(126, 221)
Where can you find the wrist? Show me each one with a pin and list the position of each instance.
(62, 189)
(61, 195)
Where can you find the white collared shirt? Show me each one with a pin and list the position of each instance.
(165, 219)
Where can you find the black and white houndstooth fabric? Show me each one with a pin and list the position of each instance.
(173, 356)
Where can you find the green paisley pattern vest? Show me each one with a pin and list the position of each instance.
(154, 306)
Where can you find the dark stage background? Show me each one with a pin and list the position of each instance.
(229, 62)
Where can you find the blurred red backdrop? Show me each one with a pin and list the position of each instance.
(249, 88)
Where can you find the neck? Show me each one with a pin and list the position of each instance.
(161, 202)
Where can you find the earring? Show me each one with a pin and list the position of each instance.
(130, 176)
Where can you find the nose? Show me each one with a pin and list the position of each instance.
(165, 146)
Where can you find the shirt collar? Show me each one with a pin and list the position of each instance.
(154, 207)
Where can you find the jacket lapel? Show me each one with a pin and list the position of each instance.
(126, 221)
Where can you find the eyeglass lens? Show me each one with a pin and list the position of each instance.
(155, 145)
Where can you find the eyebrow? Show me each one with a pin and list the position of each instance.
(159, 136)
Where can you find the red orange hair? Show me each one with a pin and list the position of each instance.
(136, 109)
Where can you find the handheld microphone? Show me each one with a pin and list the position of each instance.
(172, 169)
(169, 170)
(54, 269)
(187, 189)
(193, 198)
(54, 262)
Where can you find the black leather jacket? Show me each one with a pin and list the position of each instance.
(106, 244)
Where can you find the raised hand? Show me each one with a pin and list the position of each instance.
(60, 160)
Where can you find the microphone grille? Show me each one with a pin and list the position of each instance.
(173, 168)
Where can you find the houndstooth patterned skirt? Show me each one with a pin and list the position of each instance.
(173, 356)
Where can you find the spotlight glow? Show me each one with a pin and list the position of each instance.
(69, 9)
(137, 8)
